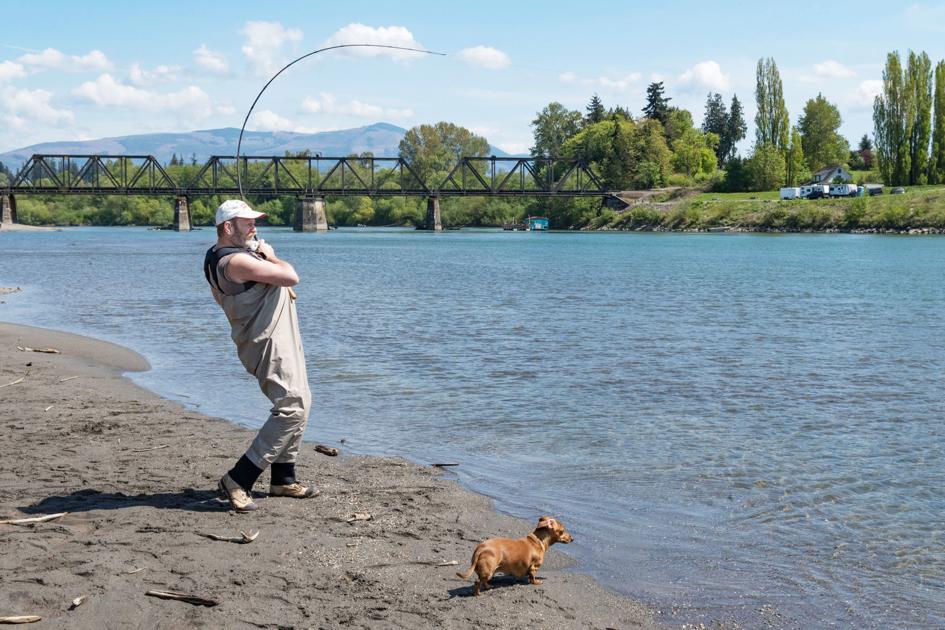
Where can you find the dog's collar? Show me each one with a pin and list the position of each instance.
(539, 541)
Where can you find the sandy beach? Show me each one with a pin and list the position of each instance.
(137, 475)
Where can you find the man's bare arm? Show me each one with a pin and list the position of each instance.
(270, 271)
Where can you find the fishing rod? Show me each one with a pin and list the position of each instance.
(239, 143)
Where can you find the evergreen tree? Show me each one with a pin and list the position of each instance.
(716, 120)
(771, 122)
(193, 159)
(173, 159)
(595, 111)
(865, 150)
(819, 126)
(621, 111)
(937, 159)
(657, 105)
(617, 164)
(736, 132)
(919, 84)
(893, 127)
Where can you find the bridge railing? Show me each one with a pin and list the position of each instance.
(307, 176)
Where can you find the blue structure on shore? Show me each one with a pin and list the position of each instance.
(536, 223)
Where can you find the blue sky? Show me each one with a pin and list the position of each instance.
(71, 70)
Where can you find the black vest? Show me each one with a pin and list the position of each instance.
(212, 259)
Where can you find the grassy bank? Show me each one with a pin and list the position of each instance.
(920, 208)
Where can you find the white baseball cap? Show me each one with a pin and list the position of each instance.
(233, 208)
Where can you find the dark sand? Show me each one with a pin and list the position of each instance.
(134, 518)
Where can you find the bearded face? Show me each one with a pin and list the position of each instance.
(243, 231)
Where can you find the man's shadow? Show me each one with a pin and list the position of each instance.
(86, 500)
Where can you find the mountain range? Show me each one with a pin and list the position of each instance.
(381, 139)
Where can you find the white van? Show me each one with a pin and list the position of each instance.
(790, 193)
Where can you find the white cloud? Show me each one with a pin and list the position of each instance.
(161, 74)
(268, 120)
(386, 36)
(619, 84)
(264, 42)
(833, 70)
(866, 92)
(108, 92)
(327, 104)
(24, 106)
(485, 57)
(52, 59)
(211, 61)
(10, 70)
(515, 148)
(705, 75)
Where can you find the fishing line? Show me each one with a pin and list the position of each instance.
(239, 143)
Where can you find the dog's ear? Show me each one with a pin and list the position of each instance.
(547, 521)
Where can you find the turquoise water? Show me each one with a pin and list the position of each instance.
(724, 422)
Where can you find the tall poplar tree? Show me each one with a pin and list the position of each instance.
(796, 168)
(771, 122)
(893, 126)
(919, 85)
(937, 159)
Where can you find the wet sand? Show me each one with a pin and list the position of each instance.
(137, 476)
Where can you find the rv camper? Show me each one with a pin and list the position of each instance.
(843, 190)
(790, 193)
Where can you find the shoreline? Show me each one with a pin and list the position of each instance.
(137, 474)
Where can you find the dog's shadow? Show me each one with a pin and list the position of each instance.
(496, 583)
(86, 500)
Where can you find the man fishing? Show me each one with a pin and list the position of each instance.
(253, 286)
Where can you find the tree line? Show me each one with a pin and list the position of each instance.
(910, 142)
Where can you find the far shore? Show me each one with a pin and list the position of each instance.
(136, 474)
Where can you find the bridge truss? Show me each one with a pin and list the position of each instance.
(305, 176)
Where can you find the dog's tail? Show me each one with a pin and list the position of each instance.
(468, 573)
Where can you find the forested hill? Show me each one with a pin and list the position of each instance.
(381, 139)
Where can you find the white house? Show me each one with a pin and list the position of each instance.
(827, 175)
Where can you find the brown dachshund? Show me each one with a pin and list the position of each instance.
(518, 557)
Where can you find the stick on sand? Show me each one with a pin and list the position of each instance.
(35, 519)
(183, 597)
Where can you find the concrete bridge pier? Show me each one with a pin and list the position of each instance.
(181, 214)
(7, 209)
(433, 214)
(311, 215)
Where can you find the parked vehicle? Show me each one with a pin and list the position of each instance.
(818, 192)
(843, 190)
(873, 189)
(790, 193)
(898, 190)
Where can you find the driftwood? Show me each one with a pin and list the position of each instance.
(46, 350)
(359, 516)
(242, 539)
(48, 408)
(153, 448)
(35, 519)
(326, 450)
(448, 563)
(444, 465)
(183, 597)
(68, 378)
(19, 380)
(77, 602)
(21, 619)
(133, 571)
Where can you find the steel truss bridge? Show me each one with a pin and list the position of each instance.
(304, 176)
